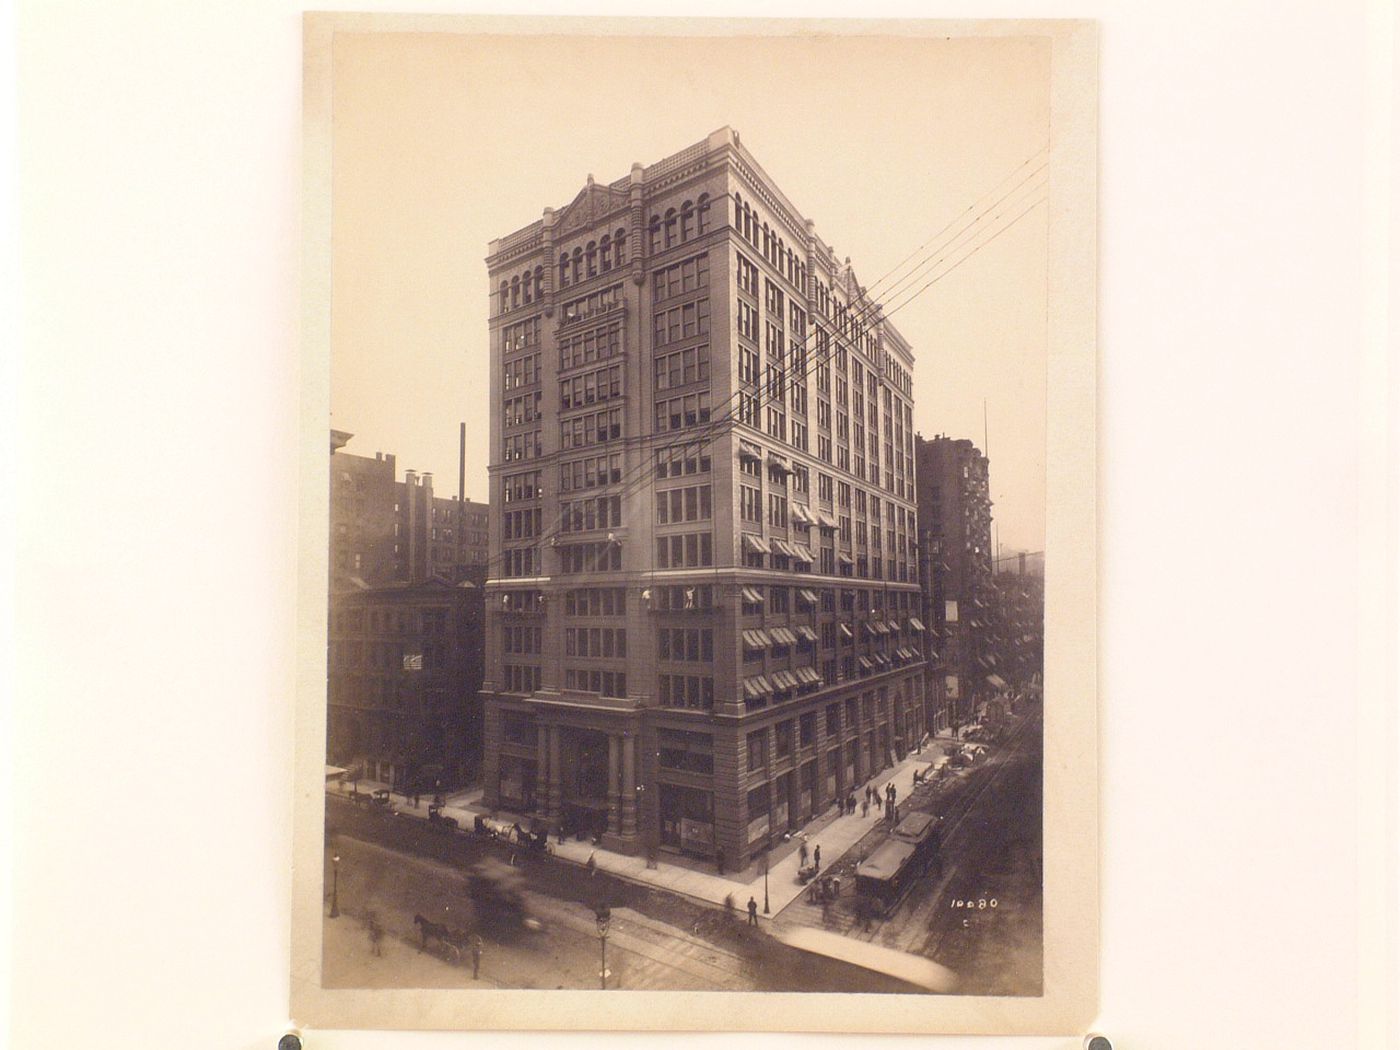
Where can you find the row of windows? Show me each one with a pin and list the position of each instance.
(683, 460)
(596, 344)
(592, 472)
(685, 643)
(521, 638)
(522, 446)
(595, 601)
(768, 242)
(687, 504)
(605, 683)
(592, 428)
(681, 597)
(520, 336)
(520, 561)
(524, 409)
(747, 320)
(520, 524)
(599, 385)
(690, 691)
(521, 290)
(522, 372)
(682, 367)
(592, 304)
(516, 487)
(683, 277)
(590, 557)
(598, 512)
(601, 256)
(687, 550)
(604, 642)
(678, 225)
(679, 412)
(681, 322)
(520, 679)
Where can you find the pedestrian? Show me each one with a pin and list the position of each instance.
(812, 892)
(802, 853)
(753, 912)
(729, 907)
(719, 859)
(817, 857)
(476, 958)
(592, 866)
(376, 934)
(865, 807)
(852, 802)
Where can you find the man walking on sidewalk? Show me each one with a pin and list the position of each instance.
(816, 856)
(753, 912)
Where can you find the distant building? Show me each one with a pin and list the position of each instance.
(955, 538)
(1018, 645)
(705, 589)
(405, 659)
(384, 530)
(405, 664)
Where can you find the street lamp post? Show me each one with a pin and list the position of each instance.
(765, 880)
(335, 886)
(604, 917)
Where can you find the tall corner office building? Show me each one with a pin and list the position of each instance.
(703, 599)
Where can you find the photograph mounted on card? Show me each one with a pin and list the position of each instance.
(698, 527)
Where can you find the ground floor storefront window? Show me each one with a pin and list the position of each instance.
(687, 819)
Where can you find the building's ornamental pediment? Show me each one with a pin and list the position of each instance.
(592, 203)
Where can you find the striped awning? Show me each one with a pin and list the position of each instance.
(784, 548)
(802, 553)
(782, 636)
(870, 627)
(916, 623)
(826, 520)
(845, 559)
(808, 596)
(784, 680)
(808, 676)
(756, 686)
(757, 639)
(879, 626)
(806, 632)
(751, 595)
(893, 625)
(882, 659)
(845, 629)
(754, 544)
(866, 663)
(749, 451)
(799, 513)
(775, 460)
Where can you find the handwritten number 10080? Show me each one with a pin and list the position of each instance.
(979, 904)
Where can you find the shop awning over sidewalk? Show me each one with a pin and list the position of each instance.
(997, 680)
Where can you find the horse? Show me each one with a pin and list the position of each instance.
(451, 939)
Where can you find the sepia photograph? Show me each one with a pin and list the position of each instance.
(688, 394)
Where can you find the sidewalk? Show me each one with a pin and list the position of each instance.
(836, 835)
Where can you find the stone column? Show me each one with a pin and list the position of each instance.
(614, 792)
(629, 785)
(556, 795)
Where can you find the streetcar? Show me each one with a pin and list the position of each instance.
(888, 874)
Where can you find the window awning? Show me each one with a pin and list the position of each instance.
(754, 544)
(845, 559)
(757, 639)
(799, 513)
(916, 623)
(752, 596)
(748, 451)
(879, 626)
(756, 686)
(869, 627)
(782, 636)
(806, 632)
(775, 460)
(997, 680)
(808, 596)
(882, 659)
(782, 547)
(802, 553)
(846, 630)
(893, 625)
(826, 520)
(906, 653)
(784, 680)
(866, 663)
(809, 676)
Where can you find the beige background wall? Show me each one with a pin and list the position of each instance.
(155, 528)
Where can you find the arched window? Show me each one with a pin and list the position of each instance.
(605, 253)
(515, 292)
(687, 221)
(539, 282)
(702, 214)
(620, 247)
(505, 297)
(527, 289)
(670, 227)
(767, 243)
(655, 233)
(576, 266)
(592, 256)
(563, 271)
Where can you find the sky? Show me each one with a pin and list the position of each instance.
(442, 142)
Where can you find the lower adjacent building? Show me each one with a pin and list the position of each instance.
(405, 664)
